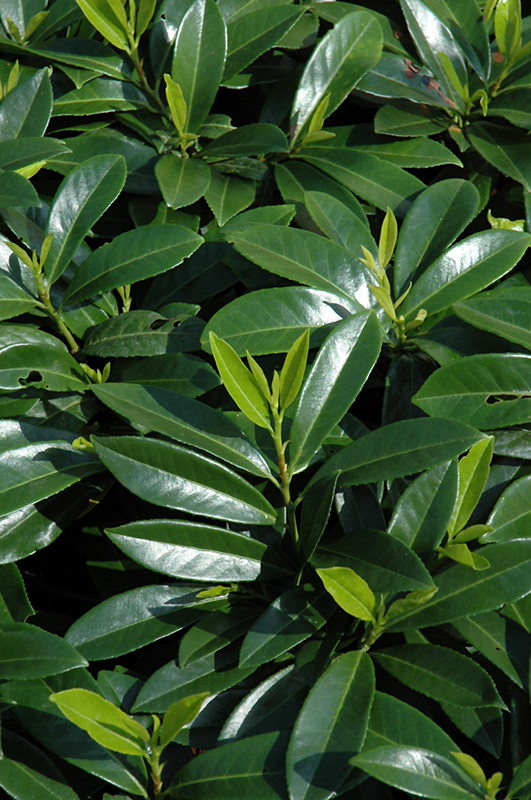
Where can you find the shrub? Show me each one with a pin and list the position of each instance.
(264, 399)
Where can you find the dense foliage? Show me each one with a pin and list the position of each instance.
(265, 383)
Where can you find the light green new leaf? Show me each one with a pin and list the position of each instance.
(388, 236)
(240, 382)
(331, 726)
(103, 721)
(340, 60)
(177, 104)
(349, 591)
(473, 473)
(108, 17)
(292, 373)
(180, 714)
(418, 771)
(199, 60)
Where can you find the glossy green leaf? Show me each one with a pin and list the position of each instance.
(290, 619)
(13, 299)
(27, 108)
(37, 471)
(521, 781)
(375, 180)
(143, 333)
(506, 148)
(390, 78)
(422, 514)
(109, 18)
(336, 65)
(227, 195)
(238, 770)
(401, 448)
(295, 178)
(187, 375)
(79, 202)
(421, 772)
(171, 476)
(332, 725)
(197, 552)
(32, 357)
(26, 150)
(128, 621)
(513, 105)
(185, 420)
(339, 222)
(307, 258)
(248, 140)
(14, 603)
(504, 312)
(15, 190)
(178, 715)
(418, 152)
(463, 592)
(466, 268)
(240, 382)
(20, 781)
(394, 722)
(432, 37)
(337, 375)
(468, 28)
(182, 181)
(103, 721)
(487, 391)
(315, 512)
(214, 631)
(386, 564)
(199, 59)
(254, 33)
(483, 726)
(271, 320)
(101, 96)
(406, 119)
(213, 673)
(350, 591)
(498, 639)
(29, 652)
(440, 673)
(131, 257)
(512, 513)
(435, 220)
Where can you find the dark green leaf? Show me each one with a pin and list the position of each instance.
(79, 202)
(248, 140)
(176, 372)
(468, 28)
(507, 148)
(375, 180)
(463, 592)
(271, 320)
(340, 60)
(173, 477)
(435, 220)
(132, 257)
(440, 673)
(199, 59)
(483, 726)
(143, 333)
(512, 513)
(504, 312)
(398, 449)
(419, 771)
(214, 631)
(26, 109)
(339, 222)
(513, 106)
(14, 603)
(101, 96)
(332, 725)
(13, 299)
(295, 178)
(29, 652)
(337, 376)
(498, 639)
(197, 552)
(182, 181)
(389, 79)
(315, 512)
(238, 770)
(253, 34)
(289, 620)
(20, 781)
(18, 153)
(185, 420)
(384, 563)
(15, 190)
(407, 119)
(419, 152)
(127, 621)
(487, 391)
(466, 268)
(227, 195)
